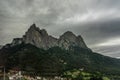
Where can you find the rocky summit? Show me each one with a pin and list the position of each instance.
(41, 39)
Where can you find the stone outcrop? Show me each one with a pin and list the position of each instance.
(41, 39)
(68, 39)
(16, 41)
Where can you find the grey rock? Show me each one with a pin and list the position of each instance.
(16, 41)
(41, 39)
(68, 39)
(33, 36)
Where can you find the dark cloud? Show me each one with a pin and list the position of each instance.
(112, 51)
(102, 31)
(98, 21)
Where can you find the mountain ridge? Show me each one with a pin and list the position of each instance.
(53, 56)
(41, 39)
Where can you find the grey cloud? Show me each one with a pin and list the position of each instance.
(95, 32)
(112, 51)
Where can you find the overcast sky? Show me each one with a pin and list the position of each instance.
(97, 21)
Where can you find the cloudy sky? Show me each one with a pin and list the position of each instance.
(97, 21)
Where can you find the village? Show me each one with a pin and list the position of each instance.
(16, 74)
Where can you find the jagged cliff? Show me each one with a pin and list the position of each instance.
(41, 39)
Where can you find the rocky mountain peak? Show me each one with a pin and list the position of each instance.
(40, 38)
(68, 34)
(43, 32)
(33, 26)
(69, 39)
(33, 29)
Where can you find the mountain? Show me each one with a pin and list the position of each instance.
(54, 61)
(41, 39)
(68, 39)
(41, 53)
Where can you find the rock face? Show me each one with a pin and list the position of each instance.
(41, 39)
(68, 39)
(16, 41)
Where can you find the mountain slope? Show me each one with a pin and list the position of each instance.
(55, 60)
